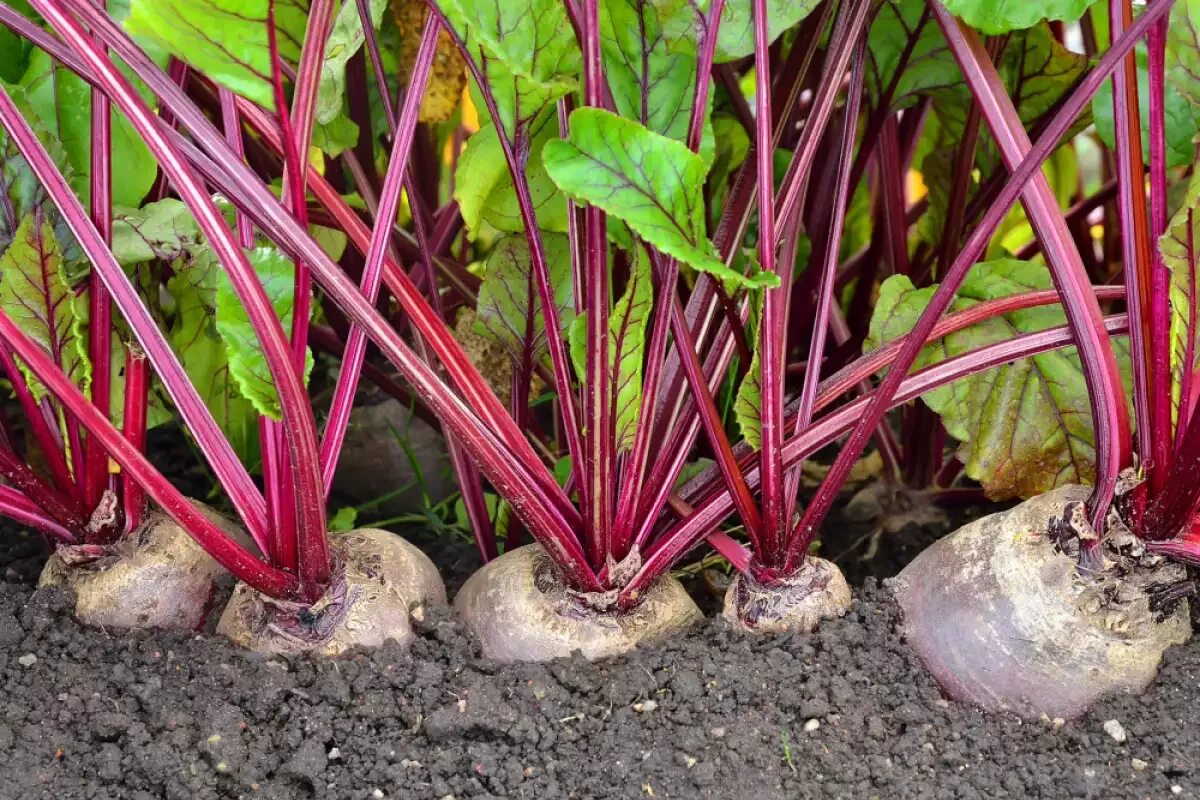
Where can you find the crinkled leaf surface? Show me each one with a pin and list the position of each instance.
(1002, 16)
(1178, 248)
(227, 40)
(651, 183)
(1025, 427)
(508, 295)
(35, 294)
(626, 348)
(449, 73)
(247, 364)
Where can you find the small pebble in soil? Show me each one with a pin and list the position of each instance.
(812, 725)
(27, 660)
(1116, 730)
(645, 707)
(1138, 764)
(377, 793)
(1176, 789)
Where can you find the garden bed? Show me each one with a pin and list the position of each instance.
(844, 712)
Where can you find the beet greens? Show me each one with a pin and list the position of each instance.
(639, 261)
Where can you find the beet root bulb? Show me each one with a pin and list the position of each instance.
(379, 580)
(520, 610)
(153, 577)
(1005, 620)
(795, 604)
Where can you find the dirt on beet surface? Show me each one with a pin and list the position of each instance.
(842, 713)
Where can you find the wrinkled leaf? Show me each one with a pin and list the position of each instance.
(1178, 248)
(247, 363)
(227, 40)
(483, 185)
(626, 346)
(449, 73)
(1001, 16)
(508, 294)
(651, 183)
(35, 294)
(1181, 116)
(345, 38)
(1024, 427)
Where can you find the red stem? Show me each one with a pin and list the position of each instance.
(225, 464)
(1131, 206)
(773, 326)
(20, 508)
(95, 476)
(137, 395)
(1159, 357)
(372, 277)
(714, 507)
(293, 399)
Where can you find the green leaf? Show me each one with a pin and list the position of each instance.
(247, 364)
(483, 185)
(530, 55)
(336, 136)
(651, 71)
(227, 40)
(35, 294)
(1181, 116)
(747, 406)
(627, 340)
(345, 38)
(1183, 50)
(344, 519)
(651, 183)
(161, 230)
(1001, 16)
(735, 38)
(194, 337)
(902, 72)
(62, 104)
(1178, 248)
(14, 51)
(509, 294)
(1024, 427)
(626, 346)
(531, 38)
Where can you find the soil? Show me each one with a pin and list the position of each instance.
(844, 712)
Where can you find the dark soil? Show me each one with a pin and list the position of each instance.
(841, 713)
